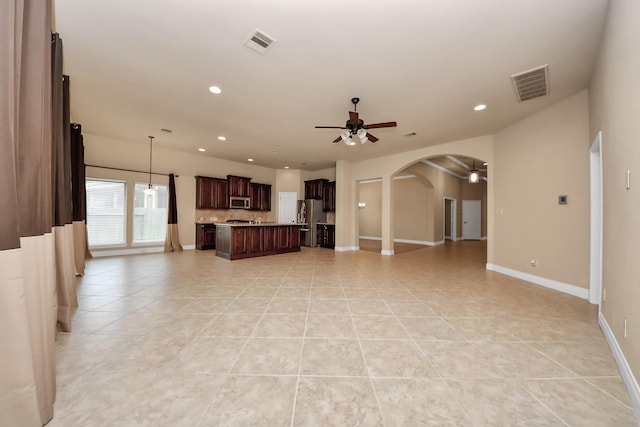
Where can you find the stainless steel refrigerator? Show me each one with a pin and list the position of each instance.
(310, 212)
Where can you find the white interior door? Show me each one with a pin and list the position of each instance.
(287, 207)
(471, 219)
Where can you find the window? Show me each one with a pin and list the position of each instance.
(150, 214)
(106, 215)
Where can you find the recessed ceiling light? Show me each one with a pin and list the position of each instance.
(215, 89)
(250, 160)
(222, 138)
(479, 107)
(201, 149)
(286, 167)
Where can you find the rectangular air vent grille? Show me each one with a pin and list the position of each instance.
(259, 41)
(531, 84)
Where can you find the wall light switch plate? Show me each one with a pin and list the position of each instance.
(563, 200)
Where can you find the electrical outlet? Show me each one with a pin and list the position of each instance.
(625, 327)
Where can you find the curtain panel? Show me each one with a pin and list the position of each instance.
(27, 252)
(61, 188)
(172, 242)
(79, 198)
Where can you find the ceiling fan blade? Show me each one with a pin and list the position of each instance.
(353, 118)
(372, 138)
(338, 139)
(381, 125)
(330, 127)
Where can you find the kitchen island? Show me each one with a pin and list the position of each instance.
(247, 240)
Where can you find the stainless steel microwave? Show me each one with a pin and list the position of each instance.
(239, 203)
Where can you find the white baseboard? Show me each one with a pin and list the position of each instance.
(574, 290)
(346, 248)
(415, 242)
(117, 252)
(621, 361)
(387, 252)
(419, 242)
(189, 247)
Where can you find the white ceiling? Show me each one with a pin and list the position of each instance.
(139, 66)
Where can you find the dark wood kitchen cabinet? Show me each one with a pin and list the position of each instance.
(314, 189)
(205, 236)
(329, 197)
(239, 186)
(212, 193)
(223, 240)
(327, 236)
(260, 197)
(247, 241)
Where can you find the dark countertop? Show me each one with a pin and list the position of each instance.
(264, 224)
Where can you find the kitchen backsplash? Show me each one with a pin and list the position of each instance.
(331, 217)
(221, 215)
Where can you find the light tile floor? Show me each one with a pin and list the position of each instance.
(320, 338)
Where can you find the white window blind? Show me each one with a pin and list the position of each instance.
(106, 213)
(150, 214)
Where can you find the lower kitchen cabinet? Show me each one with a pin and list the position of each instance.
(327, 235)
(205, 236)
(247, 241)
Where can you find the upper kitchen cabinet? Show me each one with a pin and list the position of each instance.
(239, 186)
(314, 189)
(329, 197)
(260, 197)
(212, 193)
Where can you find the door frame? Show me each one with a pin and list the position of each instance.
(452, 218)
(595, 259)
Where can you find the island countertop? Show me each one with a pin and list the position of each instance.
(255, 224)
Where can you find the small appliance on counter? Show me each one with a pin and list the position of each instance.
(310, 212)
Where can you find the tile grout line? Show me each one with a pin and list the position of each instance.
(366, 365)
(304, 334)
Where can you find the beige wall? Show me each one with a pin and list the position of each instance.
(413, 210)
(370, 217)
(535, 161)
(615, 108)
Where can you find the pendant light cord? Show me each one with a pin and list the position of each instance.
(150, 157)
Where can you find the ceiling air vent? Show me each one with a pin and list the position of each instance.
(531, 84)
(259, 41)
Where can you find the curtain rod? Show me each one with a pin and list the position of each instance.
(129, 170)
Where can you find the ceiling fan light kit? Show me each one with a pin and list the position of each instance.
(355, 126)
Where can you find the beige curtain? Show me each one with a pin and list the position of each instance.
(172, 242)
(28, 306)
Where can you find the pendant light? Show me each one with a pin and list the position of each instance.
(149, 191)
(474, 174)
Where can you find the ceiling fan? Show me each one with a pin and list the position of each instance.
(355, 127)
